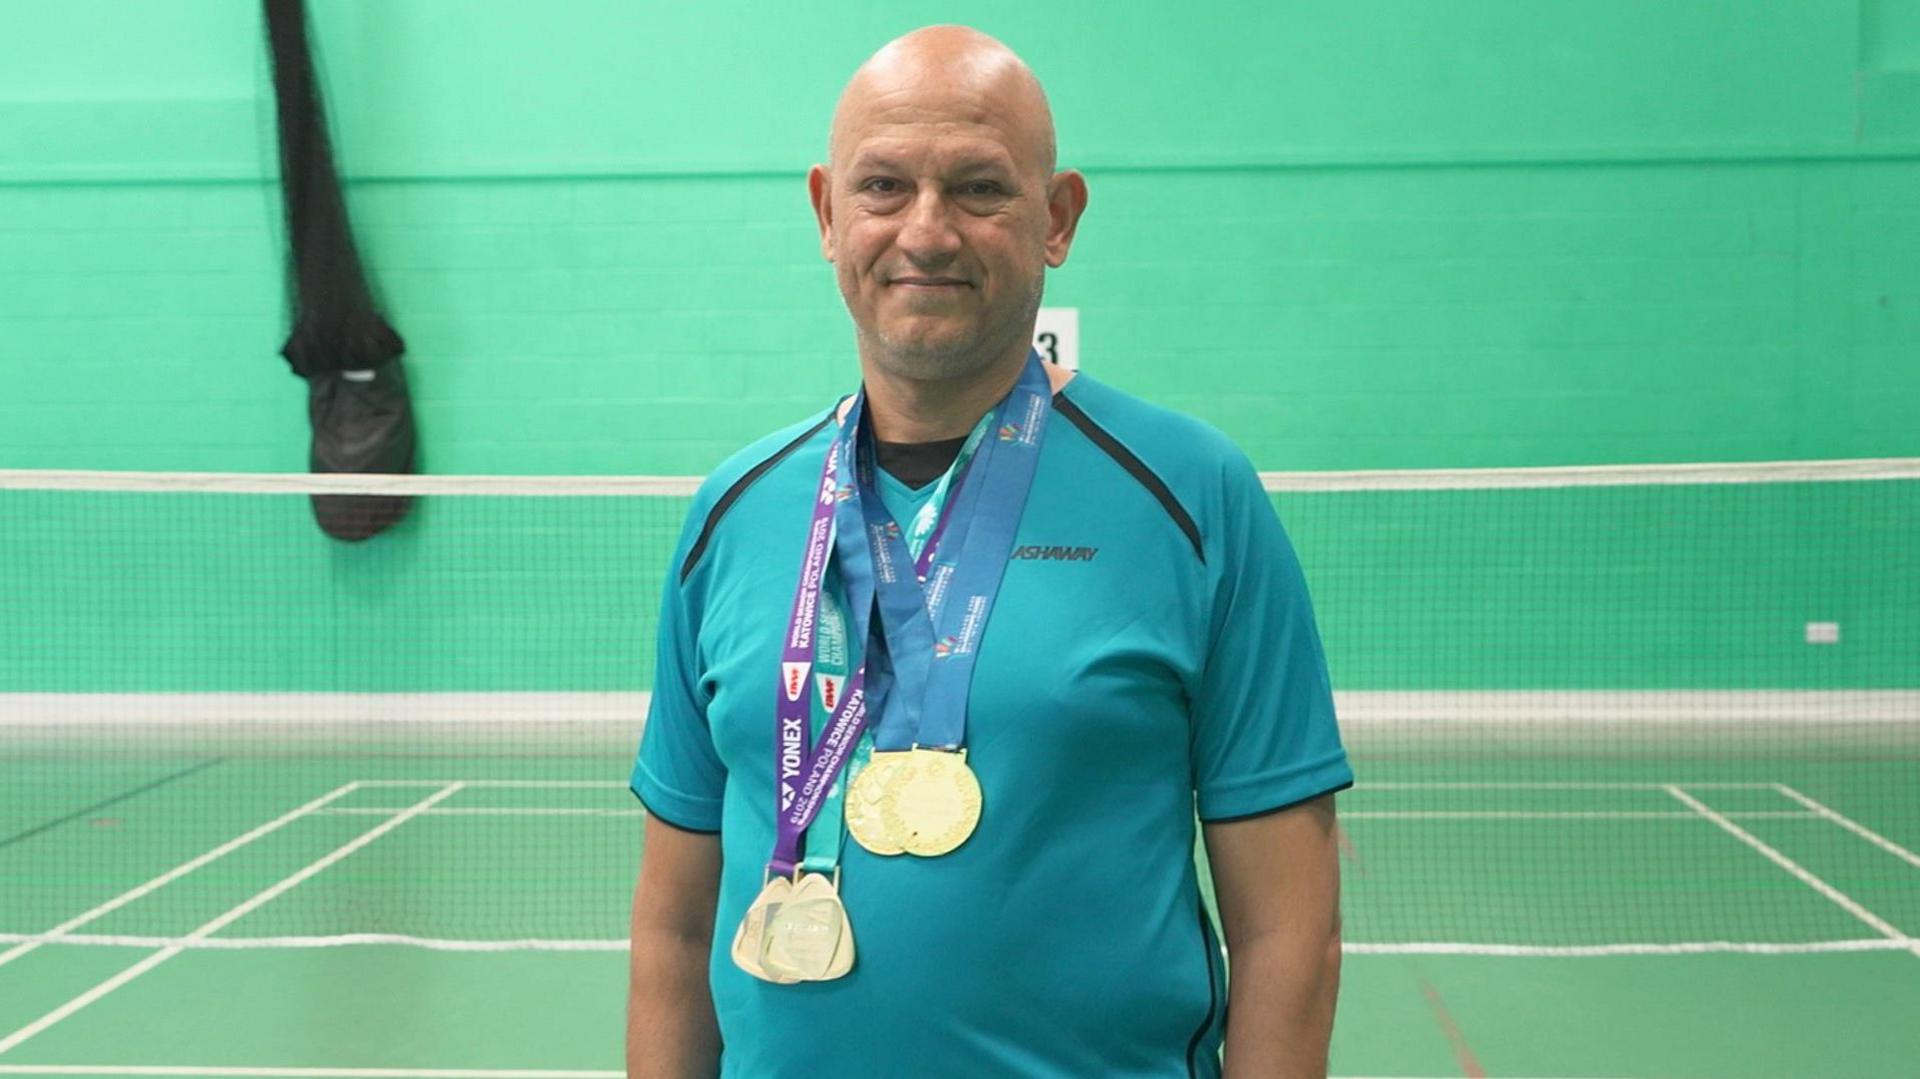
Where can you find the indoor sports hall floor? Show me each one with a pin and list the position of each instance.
(1768, 917)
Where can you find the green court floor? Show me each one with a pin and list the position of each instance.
(1582, 917)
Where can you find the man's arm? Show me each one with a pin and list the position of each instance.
(671, 1032)
(1277, 878)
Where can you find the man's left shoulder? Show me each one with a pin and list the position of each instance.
(1195, 459)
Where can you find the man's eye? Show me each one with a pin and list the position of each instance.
(980, 188)
(880, 185)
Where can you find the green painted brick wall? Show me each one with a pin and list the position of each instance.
(1376, 233)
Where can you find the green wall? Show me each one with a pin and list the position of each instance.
(1372, 233)
(1354, 234)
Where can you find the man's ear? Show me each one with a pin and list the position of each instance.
(1066, 201)
(819, 189)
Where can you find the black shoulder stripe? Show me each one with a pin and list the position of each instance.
(739, 488)
(1134, 466)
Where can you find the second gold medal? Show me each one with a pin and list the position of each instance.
(865, 797)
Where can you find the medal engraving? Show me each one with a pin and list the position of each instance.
(748, 940)
(865, 820)
(808, 937)
(934, 804)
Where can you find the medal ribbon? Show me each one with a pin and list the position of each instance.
(871, 550)
(805, 774)
(933, 644)
(832, 663)
(930, 521)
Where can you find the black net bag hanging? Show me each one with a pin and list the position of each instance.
(357, 400)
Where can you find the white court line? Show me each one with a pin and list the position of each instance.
(173, 874)
(340, 941)
(535, 783)
(1851, 825)
(1351, 814)
(1551, 476)
(1543, 786)
(365, 483)
(1529, 814)
(1363, 814)
(543, 811)
(1841, 899)
(1599, 951)
(375, 1073)
(361, 1073)
(1466, 948)
(221, 922)
(165, 712)
(241, 944)
(302, 1072)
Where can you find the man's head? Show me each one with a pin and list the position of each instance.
(939, 206)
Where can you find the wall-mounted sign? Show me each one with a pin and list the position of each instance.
(1057, 336)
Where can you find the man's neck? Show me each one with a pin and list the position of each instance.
(918, 410)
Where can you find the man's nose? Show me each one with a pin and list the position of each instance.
(927, 235)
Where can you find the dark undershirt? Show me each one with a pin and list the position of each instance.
(917, 464)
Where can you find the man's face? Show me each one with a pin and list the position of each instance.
(936, 217)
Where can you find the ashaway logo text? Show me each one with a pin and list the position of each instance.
(1056, 554)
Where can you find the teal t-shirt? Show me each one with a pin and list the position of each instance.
(1152, 653)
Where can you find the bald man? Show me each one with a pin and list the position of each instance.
(940, 822)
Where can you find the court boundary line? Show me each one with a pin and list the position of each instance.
(555, 811)
(1528, 814)
(1567, 785)
(221, 921)
(1610, 951)
(106, 481)
(1705, 473)
(1454, 948)
(1711, 473)
(528, 784)
(476, 708)
(1891, 939)
(1821, 810)
(342, 940)
(230, 1072)
(1345, 814)
(177, 872)
(1585, 709)
(1803, 874)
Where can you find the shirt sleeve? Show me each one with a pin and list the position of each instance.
(678, 776)
(1264, 732)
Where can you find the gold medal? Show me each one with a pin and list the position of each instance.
(933, 805)
(809, 937)
(749, 939)
(865, 796)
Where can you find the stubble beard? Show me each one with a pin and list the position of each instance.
(946, 359)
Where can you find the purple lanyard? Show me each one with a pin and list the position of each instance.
(806, 774)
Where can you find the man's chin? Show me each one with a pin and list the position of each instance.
(936, 342)
(933, 356)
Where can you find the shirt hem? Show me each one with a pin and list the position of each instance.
(1253, 795)
(681, 811)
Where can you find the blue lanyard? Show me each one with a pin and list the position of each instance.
(931, 630)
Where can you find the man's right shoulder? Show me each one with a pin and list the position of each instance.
(728, 484)
(757, 458)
